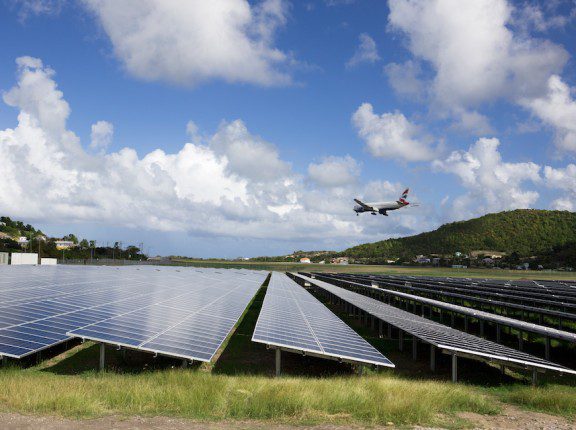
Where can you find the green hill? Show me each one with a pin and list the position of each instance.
(524, 231)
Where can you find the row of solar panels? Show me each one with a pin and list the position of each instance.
(552, 306)
(466, 311)
(447, 339)
(182, 313)
(186, 313)
(538, 294)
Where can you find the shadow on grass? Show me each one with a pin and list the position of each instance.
(85, 358)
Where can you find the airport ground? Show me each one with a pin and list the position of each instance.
(388, 269)
(63, 390)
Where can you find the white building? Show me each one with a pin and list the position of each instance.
(64, 244)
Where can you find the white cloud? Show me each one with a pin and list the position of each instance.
(405, 79)
(101, 135)
(248, 156)
(474, 55)
(563, 179)
(557, 109)
(188, 42)
(366, 52)
(230, 183)
(492, 184)
(391, 135)
(335, 171)
(543, 17)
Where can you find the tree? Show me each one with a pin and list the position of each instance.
(84, 244)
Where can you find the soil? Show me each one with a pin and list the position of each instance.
(511, 418)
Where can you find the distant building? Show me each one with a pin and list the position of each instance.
(322, 262)
(340, 260)
(22, 241)
(421, 259)
(4, 235)
(305, 260)
(64, 244)
(491, 254)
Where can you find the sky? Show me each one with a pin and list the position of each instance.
(242, 128)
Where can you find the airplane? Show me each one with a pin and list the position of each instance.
(382, 207)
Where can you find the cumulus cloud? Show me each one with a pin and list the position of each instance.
(557, 109)
(189, 42)
(391, 135)
(230, 183)
(334, 171)
(366, 52)
(492, 184)
(563, 179)
(101, 135)
(474, 55)
(248, 156)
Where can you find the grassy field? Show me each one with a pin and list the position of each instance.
(406, 270)
(240, 386)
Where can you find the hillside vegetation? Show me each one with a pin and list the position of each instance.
(524, 231)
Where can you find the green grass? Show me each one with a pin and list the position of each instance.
(374, 399)
(553, 399)
(393, 270)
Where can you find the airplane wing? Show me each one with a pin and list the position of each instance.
(364, 205)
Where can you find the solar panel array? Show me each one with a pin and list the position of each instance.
(463, 310)
(181, 312)
(545, 295)
(292, 318)
(556, 306)
(435, 333)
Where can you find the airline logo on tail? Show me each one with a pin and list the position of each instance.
(404, 197)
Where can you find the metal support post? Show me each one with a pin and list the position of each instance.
(534, 377)
(498, 333)
(432, 358)
(414, 348)
(102, 356)
(454, 368)
(184, 363)
(547, 348)
(466, 323)
(481, 328)
(400, 340)
(520, 340)
(380, 328)
(389, 331)
(278, 361)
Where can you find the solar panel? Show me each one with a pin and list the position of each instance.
(445, 338)
(142, 307)
(544, 298)
(293, 319)
(463, 310)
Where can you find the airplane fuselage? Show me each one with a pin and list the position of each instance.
(379, 207)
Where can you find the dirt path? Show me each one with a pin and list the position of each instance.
(511, 418)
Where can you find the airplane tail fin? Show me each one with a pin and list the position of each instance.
(404, 196)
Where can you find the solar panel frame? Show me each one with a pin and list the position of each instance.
(294, 320)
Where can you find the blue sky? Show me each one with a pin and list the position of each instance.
(233, 128)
